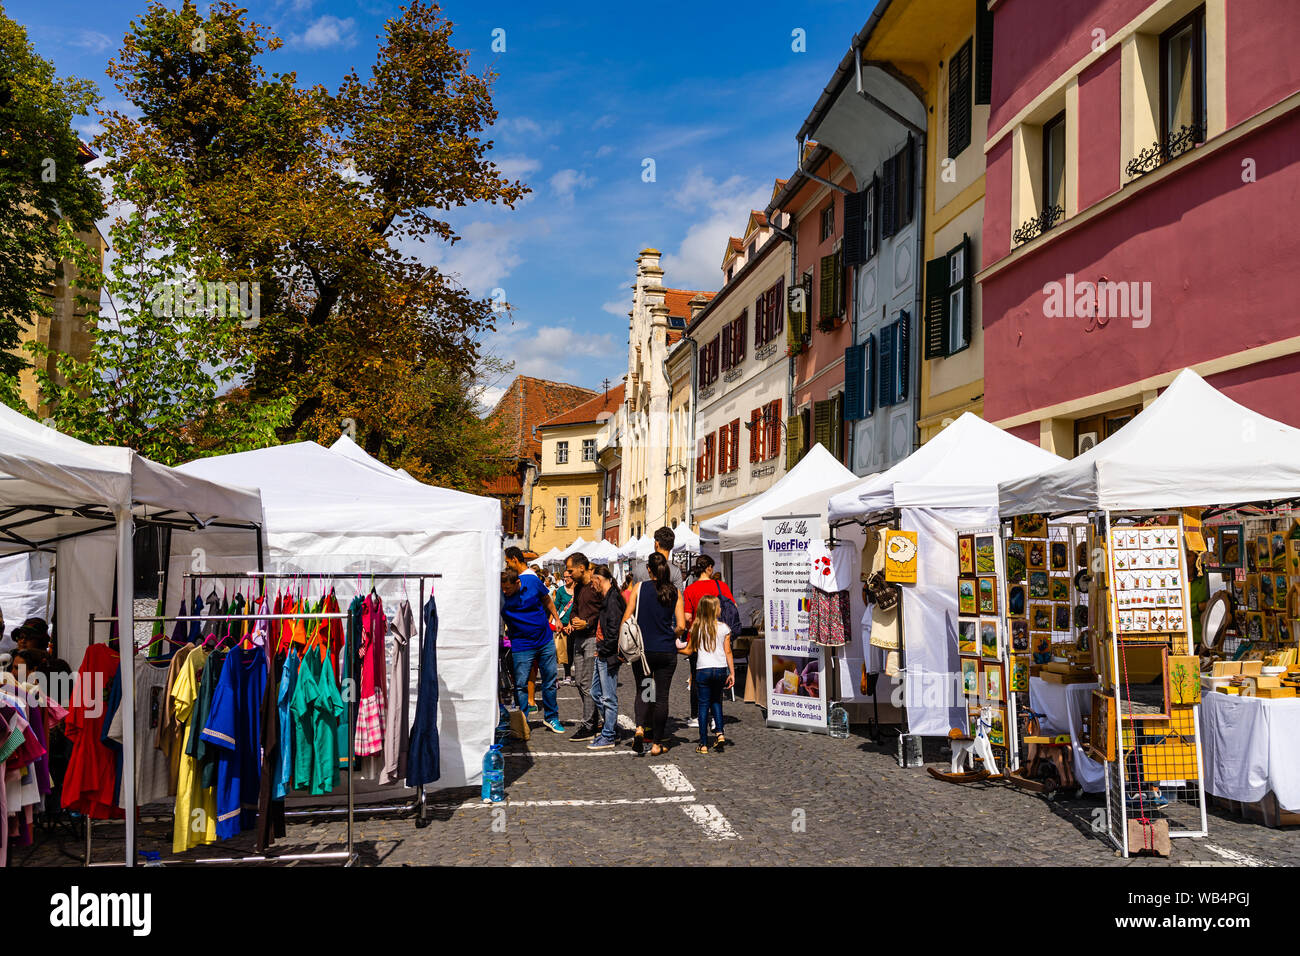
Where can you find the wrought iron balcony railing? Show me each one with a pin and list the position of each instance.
(1162, 151)
(1039, 224)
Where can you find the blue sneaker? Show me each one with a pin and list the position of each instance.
(600, 743)
(554, 725)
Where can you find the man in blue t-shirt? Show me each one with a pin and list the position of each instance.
(527, 611)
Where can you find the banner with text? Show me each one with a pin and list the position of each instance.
(797, 691)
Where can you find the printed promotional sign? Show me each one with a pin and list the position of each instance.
(797, 693)
(900, 557)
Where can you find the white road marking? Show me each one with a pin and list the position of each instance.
(1234, 856)
(712, 821)
(471, 804)
(672, 778)
(576, 753)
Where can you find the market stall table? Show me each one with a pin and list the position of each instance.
(756, 674)
(1249, 748)
(1063, 707)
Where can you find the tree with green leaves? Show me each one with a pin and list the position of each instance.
(318, 198)
(46, 195)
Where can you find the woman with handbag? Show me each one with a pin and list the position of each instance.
(657, 605)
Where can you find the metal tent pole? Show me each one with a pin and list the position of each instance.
(126, 658)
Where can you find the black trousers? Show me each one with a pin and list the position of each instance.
(651, 701)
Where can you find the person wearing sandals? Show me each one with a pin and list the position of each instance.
(657, 604)
(715, 671)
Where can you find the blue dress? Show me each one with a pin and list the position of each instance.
(422, 765)
(234, 729)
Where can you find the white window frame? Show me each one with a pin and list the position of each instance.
(584, 511)
(957, 304)
(589, 449)
(562, 511)
(561, 452)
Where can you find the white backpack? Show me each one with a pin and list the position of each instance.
(631, 646)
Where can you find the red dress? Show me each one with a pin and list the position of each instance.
(92, 771)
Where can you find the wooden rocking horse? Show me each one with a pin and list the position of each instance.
(1044, 751)
(965, 749)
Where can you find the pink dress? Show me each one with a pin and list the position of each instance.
(371, 713)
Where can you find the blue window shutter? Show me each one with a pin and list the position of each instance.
(853, 382)
(903, 354)
(885, 371)
(869, 376)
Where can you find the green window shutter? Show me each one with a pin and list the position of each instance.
(853, 380)
(936, 308)
(959, 100)
(823, 425)
(826, 292)
(793, 440)
(854, 252)
(840, 302)
(983, 53)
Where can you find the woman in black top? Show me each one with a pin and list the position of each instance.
(661, 616)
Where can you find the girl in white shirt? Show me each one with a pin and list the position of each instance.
(715, 671)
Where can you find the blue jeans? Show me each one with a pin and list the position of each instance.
(711, 681)
(546, 664)
(604, 694)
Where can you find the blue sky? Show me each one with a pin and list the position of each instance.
(713, 93)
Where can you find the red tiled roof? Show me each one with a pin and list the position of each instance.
(528, 402)
(677, 301)
(503, 485)
(588, 411)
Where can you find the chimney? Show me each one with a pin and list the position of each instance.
(697, 305)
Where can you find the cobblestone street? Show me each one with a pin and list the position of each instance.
(774, 797)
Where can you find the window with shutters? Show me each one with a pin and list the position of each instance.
(897, 201)
(739, 333)
(561, 452)
(584, 511)
(828, 220)
(823, 413)
(794, 439)
(983, 53)
(726, 346)
(894, 364)
(562, 512)
(859, 381)
(710, 455)
(831, 290)
(837, 426)
(959, 100)
(772, 429)
(769, 314)
(871, 220)
(756, 435)
(760, 320)
(730, 458)
(948, 320)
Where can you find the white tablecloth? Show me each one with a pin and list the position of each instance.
(1062, 707)
(1251, 745)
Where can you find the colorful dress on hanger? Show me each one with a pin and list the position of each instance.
(829, 578)
(196, 807)
(397, 733)
(90, 778)
(423, 763)
(234, 729)
(370, 715)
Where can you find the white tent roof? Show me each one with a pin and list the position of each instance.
(346, 447)
(804, 489)
(601, 552)
(958, 468)
(684, 539)
(40, 466)
(637, 548)
(579, 543)
(551, 556)
(1192, 446)
(306, 487)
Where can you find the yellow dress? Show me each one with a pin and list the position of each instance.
(189, 830)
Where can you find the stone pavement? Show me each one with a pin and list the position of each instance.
(774, 797)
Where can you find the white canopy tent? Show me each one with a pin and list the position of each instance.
(329, 511)
(1192, 447)
(346, 447)
(949, 483)
(553, 556)
(82, 501)
(684, 539)
(574, 548)
(804, 489)
(601, 552)
(637, 549)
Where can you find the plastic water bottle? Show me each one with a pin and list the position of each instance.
(838, 721)
(494, 775)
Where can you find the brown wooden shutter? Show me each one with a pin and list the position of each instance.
(726, 346)
(739, 337)
(776, 311)
(760, 320)
(837, 426)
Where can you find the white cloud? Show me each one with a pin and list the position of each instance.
(567, 181)
(485, 256)
(695, 264)
(603, 122)
(523, 127)
(559, 353)
(92, 40)
(606, 150)
(621, 304)
(326, 32)
(517, 167)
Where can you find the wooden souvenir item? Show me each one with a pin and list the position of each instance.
(970, 673)
(1019, 680)
(1036, 555)
(1230, 551)
(1101, 728)
(1060, 617)
(1184, 680)
(1060, 589)
(998, 728)
(1280, 589)
(1059, 555)
(992, 680)
(1038, 585)
(1293, 556)
(1263, 553)
(1020, 637)
(1040, 617)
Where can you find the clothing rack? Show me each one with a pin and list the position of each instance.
(419, 804)
(128, 759)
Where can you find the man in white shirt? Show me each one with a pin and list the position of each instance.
(515, 562)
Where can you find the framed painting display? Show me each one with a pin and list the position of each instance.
(968, 637)
(1252, 592)
(1279, 592)
(1038, 586)
(1059, 555)
(1020, 637)
(1101, 727)
(985, 558)
(1016, 561)
(970, 675)
(1040, 617)
(1230, 550)
(1265, 590)
(1270, 628)
(1036, 555)
(1059, 589)
(1029, 526)
(1061, 617)
(1018, 681)
(998, 730)
(992, 682)
(1263, 552)
(1144, 693)
(966, 602)
(1252, 556)
(988, 595)
(1184, 680)
(1293, 556)
(1017, 600)
(966, 554)
(1279, 551)
(972, 722)
(990, 645)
